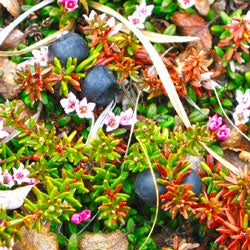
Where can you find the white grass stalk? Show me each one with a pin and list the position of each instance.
(7, 30)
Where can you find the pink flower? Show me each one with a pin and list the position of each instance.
(241, 115)
(223, 132)
(2, 132)
(243, 99)
(141, 13)
(138, 21)
(143, 9)
(41, 56)
(77, 218)
(21, 174)
(186, 3)
(69, 5)
(85, 215)
(70, 103)
(115, 28)
(127, 117)
(112, 121)
(96, 20)
(85, 109)
(214, 122)
(94, 17)
(6, 178)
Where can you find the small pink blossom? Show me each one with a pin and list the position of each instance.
(223, 132)
(127, 117)
(85, 109)
(2, 132)
(186, 3)
(69, 5)
(115, 28)
(41, 56)
(214, 122)
(143, 9)
(243, 99)
(76, 218)
(141, 13)
(70, 103)
(21, 174)
(6, 178)
(112, 121)
(241, 115)
(138, 21)
(83, 216)
(94, 19)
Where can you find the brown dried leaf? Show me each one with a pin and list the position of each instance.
(236, 141)
(13, 7)
(244, 156)
(8, 87)
(193, 25)
(13, 40)
(33, 240)
(202, 6)
(112, 241)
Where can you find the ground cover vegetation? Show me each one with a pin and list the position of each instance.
(124, 124)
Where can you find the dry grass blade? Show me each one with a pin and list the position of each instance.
(144, 150)
(37, 45)
(160, 38)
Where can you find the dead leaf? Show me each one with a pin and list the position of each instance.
(112, 241)
(193, 25)
(244, 156)
(12, 199)
(13, 7)
(13, 40)
(202, 6)
(219, 6)
(32, 240)
(8, 87)
(236, 141)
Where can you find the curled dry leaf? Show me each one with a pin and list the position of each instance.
(12, 199)
(193, 25)
(13, 40)
(236, 141)
(236, 147)
(115, 240)
(202, 6)
(8, 87)
(244, 156)
(13, 6)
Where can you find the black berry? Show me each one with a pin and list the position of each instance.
(145, 189)
(68, 45)
(99, 86)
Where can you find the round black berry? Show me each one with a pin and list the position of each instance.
(145, 189)
(68, 45)
(99, 86)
